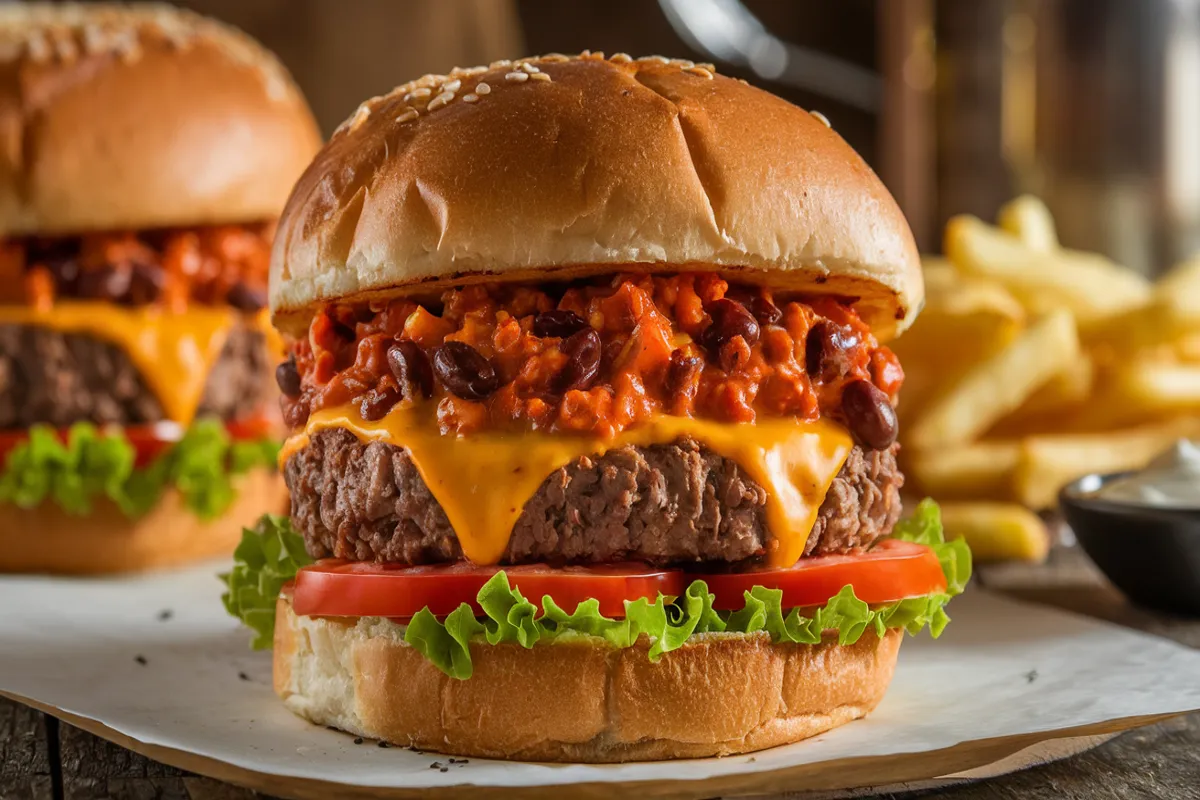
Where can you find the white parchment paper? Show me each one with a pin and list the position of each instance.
(1002, 668)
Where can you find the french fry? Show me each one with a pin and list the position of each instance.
(1147, 388)
(1065, 390)
(1181, 286)
(981, 469)
(951, 293)
(964, 321)
(1028, 218)
(997, 531)
(1087, 284)
(1187, 348)
(1158, 323)
(1047, 463)
(998, 385)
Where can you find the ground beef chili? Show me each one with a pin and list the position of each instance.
(215, 265)
(676, 503)
(598, 357)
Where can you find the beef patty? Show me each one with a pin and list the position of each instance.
(665, 504)
(61, 378)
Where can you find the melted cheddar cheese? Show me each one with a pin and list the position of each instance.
(173, 351)
(483, 481)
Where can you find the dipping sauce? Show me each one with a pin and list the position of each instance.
(1172, 480)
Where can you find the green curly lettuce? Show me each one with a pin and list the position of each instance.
(93, 464)
(667, 622)
(268, 556)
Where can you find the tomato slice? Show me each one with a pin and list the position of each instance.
(335, 588)
(890, 571)
(150, 440)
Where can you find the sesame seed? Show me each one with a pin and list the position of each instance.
(501, 63)
(540, 76)
(555, 58)
(482, 89)
(517, 77)
(470, 98)
(439, 101)
(65, 49)
(701, 71)
(707, 66)
(452, 86)
(530, 68)
(823, 119)
(656, 59)
(620, 58)
(37, 47)
(682, 63)
(415, 93)
(408, 115)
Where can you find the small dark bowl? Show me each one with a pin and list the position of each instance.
(1151, 554)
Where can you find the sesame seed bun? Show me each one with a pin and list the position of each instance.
(115, 117)
(557, 167)
(581, 701)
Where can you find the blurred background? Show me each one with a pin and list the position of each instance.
(1091, 104)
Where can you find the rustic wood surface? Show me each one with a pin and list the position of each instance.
(43, 759)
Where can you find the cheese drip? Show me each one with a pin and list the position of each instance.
(483, 481)
(174, 352)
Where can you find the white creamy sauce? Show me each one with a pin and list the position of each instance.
(1172, 480)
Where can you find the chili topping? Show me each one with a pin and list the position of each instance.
(215, 265)
(598, 357)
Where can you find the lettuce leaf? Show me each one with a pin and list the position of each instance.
(93, 464)
(268, 556)
(668, 622)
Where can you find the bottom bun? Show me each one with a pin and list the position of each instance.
(48, 539)
(577, 700)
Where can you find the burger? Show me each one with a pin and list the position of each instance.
(592, 451)
(144, 156)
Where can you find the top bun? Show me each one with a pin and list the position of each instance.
(555, 167)
(127, 117)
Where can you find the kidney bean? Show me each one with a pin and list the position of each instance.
(146, 283)
(288, 377)
(869, 415)
(729, 319)
(583, 350)
(464, 371)
(559, 323)
(766, 312)
(245, 297)
(65, 272)
(295, 411)
(105, 283)
(411, 367)
(375, 404)
(682, 371)
(825, 350)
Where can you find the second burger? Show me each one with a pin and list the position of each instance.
(146, 154)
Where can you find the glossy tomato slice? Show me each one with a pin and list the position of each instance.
(890, 571)
(337, 588)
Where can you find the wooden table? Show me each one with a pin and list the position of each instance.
(43, 759)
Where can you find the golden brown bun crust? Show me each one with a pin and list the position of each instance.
(717, 695)
(609, 164)
(47, 539)
(140, 117)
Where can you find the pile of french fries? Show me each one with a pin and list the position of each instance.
(1033, 365)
